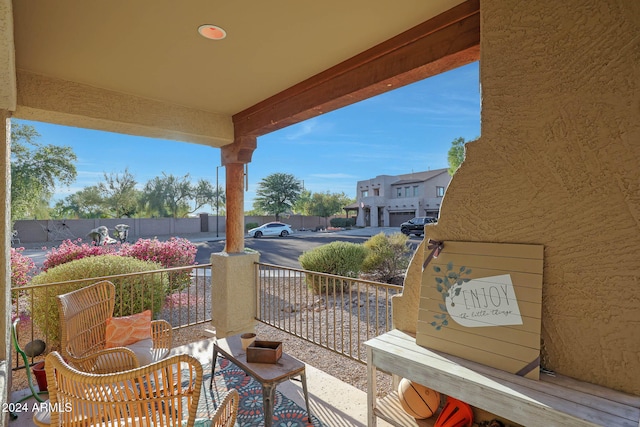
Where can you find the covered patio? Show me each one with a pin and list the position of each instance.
(332, 401)
(558, 145)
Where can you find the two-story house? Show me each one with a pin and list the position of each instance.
(388, 201)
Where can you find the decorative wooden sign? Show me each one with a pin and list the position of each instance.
(483, 302)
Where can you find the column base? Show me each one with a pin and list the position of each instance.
(233, 292)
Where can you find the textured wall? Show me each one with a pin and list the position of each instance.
(234, 308)
(560, 136)
(52, 100)
(5, 261)
(7, 58)
(5, 235)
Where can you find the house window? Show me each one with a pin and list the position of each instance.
(406, 191)
(415, 191)
(376, 191)
(365, 193)
(399, 192)
(439, 191)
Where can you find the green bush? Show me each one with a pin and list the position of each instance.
(248, 226)
(388, 256)
(133, 294)
(342, 222)
(339, 258)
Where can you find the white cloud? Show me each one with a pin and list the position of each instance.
(302, 129)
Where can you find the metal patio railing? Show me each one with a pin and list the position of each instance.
(340, 315)
(188, 302)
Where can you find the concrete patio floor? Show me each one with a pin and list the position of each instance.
(334, 402)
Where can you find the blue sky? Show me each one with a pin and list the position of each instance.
(407, 129)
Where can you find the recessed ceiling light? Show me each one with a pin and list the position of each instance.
(212, 32)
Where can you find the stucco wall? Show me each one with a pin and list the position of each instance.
(5, 261)
(560, 134)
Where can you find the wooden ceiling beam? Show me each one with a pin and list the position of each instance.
(447, 41)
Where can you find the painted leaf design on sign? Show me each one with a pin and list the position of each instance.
(449, 286)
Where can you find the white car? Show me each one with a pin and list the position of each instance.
(271, 229)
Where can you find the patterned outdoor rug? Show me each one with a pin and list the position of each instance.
(286, 413)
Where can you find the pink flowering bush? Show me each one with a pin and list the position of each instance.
(175, 252)
(21, 268)
(72, 250)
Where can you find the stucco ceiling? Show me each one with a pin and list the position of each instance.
(152, 49)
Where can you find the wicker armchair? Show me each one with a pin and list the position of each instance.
(164, 393)
(83, 317)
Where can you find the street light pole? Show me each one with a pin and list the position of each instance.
(217, 199)
(302, 216)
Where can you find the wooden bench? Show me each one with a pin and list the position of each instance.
(551, 401)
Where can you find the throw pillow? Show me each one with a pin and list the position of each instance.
(127, 330)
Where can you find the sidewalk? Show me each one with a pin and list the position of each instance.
(213, 236)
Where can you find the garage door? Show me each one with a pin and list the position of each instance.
(397, 218)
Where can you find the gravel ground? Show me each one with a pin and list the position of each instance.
(334, 364)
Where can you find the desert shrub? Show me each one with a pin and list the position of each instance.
(21, 267)
(339, 258)
(71, 250)
(133, 294)
(248, 226)
(175, 252)
(342, 222)
(387, 257)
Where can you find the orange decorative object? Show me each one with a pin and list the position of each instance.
(455, 413)
(121, 331)
(417, 400)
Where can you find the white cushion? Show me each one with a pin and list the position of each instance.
(44, 416)
(143, 351)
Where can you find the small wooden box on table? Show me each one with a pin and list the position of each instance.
(269, 375)
(551, 401)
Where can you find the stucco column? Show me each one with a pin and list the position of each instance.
(234, 299)
(360, 217)
(233, 282)
(5, 257)
(374, 216)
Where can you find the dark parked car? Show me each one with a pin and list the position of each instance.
(416, 225)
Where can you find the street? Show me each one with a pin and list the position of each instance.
(285, 251)
(282, 251)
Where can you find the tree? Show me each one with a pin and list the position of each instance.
(455, 156)
(168, 196)
(219, 200)
(327, 204)
(172, 196)
(119, 195)
(36, 169)
(86, 203)
(301, 205)
(205, 193)
(277, 193)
